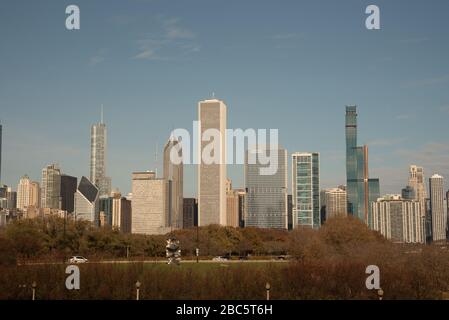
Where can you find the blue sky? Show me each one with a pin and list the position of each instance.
(291, 65)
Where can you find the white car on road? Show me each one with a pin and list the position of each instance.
(78, 259)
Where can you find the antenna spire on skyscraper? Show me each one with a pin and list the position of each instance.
(101, 114)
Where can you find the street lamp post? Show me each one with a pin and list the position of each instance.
(197, 244)
(138, 290)
(33, 288)
(268, 287)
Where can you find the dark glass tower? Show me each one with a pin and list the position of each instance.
(361, 190)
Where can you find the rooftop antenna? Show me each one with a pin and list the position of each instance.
(101, 114)
(213, 95)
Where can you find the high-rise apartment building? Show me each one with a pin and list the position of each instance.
(266, 194)
(437, 208)
(306, 190)
(148, 204)
(28, 193)
(212, 163)
(361, 190)
(334, 200)
(398, 219)
(51, 187)
(11, 197)
(98, 150)
(87, 202)
(173, 175)
(121, 213)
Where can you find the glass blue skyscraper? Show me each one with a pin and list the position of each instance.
(306, 189)
(361, 190)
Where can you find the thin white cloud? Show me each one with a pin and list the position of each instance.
(172, 42)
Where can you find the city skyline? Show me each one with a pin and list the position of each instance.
(284, 70)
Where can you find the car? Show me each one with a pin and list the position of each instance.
(78, 259)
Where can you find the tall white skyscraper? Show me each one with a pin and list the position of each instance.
(266, 198)
(212, 175)
(173, 175)
(51, 187)
(437, 208)
(334, 200)
(23, 193)
(28, 193)
(306, 189)
(398, 219)
(98, 149)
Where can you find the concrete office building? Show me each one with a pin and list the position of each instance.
(212, 176)
(266, 195)
(437, 208)
(173, 175)
(51, 187)
(148, 204)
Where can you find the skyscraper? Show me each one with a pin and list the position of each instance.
(98, 149)
(437, 208)
(51, 187)
(68, 190)
(398, 219)
(266, 195)
(121, 213)
(148, 204)
(87, 202)
(361, 190)
(232, 205)
(306, 189)
(190, 213)
(416, 181)
(212, 172)
(173, 174)
(334, 200)
(28, 194)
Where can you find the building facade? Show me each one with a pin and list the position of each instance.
(87, 202)
(121, 213)
(416, 181)
(437, 208)
(306, 190)
(212, 172)
(399, 220)
(334, 200)
(190, 213)
(361, 190)
(98, 151)
(67, 194)
(266, 195)
(232, 205)
(174, 174)
(148, 204)
(51, 187)
(28, 194)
